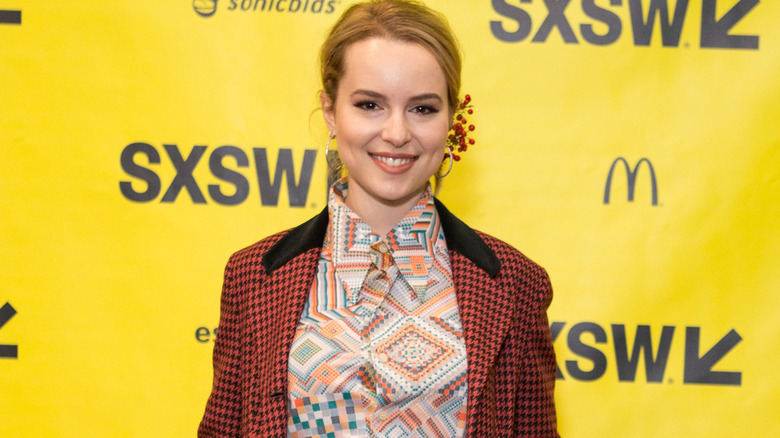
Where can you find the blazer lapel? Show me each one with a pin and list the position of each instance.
(291, 265)
(485, 313)
(484, 302)
(289, 286)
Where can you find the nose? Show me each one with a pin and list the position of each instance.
(396, 129)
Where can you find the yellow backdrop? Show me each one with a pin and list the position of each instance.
(630, 147)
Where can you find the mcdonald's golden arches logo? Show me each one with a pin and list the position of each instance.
(631, 177)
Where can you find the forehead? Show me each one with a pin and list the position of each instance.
(388, 63)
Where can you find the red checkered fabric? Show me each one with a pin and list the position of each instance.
(511, 363)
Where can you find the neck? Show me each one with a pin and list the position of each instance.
(380, 215)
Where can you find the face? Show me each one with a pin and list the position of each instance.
(390, 119)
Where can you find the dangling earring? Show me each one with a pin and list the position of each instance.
(327, 145)
(449, 152)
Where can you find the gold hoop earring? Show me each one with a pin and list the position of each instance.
(449, 152)
(327, 145)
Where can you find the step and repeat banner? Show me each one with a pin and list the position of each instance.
(631, 147)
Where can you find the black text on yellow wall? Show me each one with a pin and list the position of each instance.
(7, 351)
(591, 363)
(516, 24)
(297, 192)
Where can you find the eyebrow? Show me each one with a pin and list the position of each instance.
(375, 95)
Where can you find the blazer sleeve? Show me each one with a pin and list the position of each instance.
(536, 408)
(223, 409)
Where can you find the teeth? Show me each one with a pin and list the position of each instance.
(394, 162)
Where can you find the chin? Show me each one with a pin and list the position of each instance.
(394, 194)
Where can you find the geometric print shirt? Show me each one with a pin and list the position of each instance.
(379, 350)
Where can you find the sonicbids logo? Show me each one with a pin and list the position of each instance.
(205, 8)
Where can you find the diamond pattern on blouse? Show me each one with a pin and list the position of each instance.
(380, 329)
(413, 353)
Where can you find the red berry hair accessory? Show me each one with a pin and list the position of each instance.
(458, 140)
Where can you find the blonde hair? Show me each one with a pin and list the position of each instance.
(402, 20)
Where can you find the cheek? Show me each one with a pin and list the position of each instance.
(354, 136)
(436, 137)
(352, 131)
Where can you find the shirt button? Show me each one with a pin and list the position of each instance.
(383, 415)
(383, 357)
(383, 248)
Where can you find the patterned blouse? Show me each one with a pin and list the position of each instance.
(379, 349)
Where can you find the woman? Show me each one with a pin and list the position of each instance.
(384, 315)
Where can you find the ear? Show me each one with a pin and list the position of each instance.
(328, 111)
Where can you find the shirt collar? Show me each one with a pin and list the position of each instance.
(310, 235)
(413, 243)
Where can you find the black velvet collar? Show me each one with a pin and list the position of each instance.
(460, 238)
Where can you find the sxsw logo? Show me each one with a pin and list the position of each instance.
(7, 351)
(233, 187)
(631, 174)
(591, 361)
(603, 24)
(10, 17)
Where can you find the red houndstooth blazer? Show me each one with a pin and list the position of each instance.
(502, 300)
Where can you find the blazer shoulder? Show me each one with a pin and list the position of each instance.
(513, 262)
(276, 250)
(253, 254)
(524, 273)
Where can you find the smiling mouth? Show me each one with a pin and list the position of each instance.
(393, 162)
